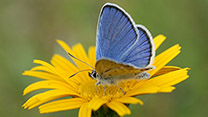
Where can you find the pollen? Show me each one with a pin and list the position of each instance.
(90, 90)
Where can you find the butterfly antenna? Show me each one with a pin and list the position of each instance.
(80, 60)
(79, 72)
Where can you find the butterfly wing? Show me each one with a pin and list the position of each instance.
(120, 40)
(123, 49)
(143, 52)
(116, 33)
(110, 70)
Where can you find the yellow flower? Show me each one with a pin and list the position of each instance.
(81, 88)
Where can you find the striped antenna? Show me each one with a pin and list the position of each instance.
(80, 60)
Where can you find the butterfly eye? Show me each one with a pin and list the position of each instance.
(93, 75)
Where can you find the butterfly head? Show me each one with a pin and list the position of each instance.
(93, 74)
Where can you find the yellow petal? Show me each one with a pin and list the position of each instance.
(67, 68)
(96, 103)
(63, 75)
(48, 76)
(45, 64)
(166, 89)
(42, 75)
(54, 70)
(181, 76)
(79, 53)
(129, 100)
(166, 69)
(92, 55)
(143, 90)
(62, 63)
(61, 105)
(169, 79)
(158, 40)
(68, 50)
(41, 68)
(85, 111)
(65, 46)
(45, 97)
(48, 84)
(159, 83)
(118, 107)
(164, 58)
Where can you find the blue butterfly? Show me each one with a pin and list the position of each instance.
(124, 50)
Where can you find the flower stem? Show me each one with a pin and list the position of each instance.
(104, 111)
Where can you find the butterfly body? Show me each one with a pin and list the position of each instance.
(110, 70)
(124, 50)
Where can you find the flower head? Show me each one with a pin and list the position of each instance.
(82, 91)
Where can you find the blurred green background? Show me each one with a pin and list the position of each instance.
(29, 29)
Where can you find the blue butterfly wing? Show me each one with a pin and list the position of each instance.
(116, 33)
(142, 53)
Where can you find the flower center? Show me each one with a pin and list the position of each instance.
(89, 90)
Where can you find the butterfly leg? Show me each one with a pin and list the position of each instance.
(103, 88)
(119, 87)
(98, 83)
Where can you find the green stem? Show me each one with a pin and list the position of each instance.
(104, 111)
